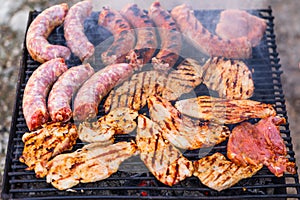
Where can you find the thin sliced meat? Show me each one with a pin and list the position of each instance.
(224, 111)
(118, 121)
(232, 79)
(260, 143)
(182, 131)
(43, 144)
(163, 160)
(134, 92)
(218, 173)
(94, 162)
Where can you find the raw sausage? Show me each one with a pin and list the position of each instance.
(124, 36)
(171, 41)
(36, 38)
(74, 30)
(206, 42)
(36, 90)
(146, 43)
(96, 87)
(63, 90)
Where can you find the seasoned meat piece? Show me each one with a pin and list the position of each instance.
(209, 44)
(260, 143)
(239, 23)
(64, 88)
(170, 37)
(184, 79)
(74, 30)
(224, 111)
(94, 162)
(43, 144)
(146, 41)
(163, 160)
(219, 174)
(36, 91)
(39, 30)
(97, 87)
(135, 92)
(124, 36)
(182, 131)
(232, 79)
(117, 121)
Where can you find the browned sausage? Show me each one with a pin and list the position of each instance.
(36, 90)
(96, 87)
(74, 30)
(170, 37)
(206, 42)
(63, 90)
(124, 36)
(146, 43)
(36, 38)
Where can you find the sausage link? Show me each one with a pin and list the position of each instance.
(171, 41)
(146, 43)
(124, 36)
(36, 90)
(96, 87)
(36, 38)
(74, 30)
(63, 90)
(206, 42)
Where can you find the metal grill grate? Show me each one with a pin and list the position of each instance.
(21, 184)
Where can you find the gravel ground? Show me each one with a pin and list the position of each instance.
(13, 20)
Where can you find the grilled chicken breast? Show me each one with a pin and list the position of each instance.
(94, 162)
(182, 131)
(163, 160)
(118, 121)
(218, 173)
(43, 144)
(224, 111)
(231, 79)
(135, 92)
(260, 143)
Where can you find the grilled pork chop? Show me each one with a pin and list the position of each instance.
(218, 173)
(182, 131)
(232, 79)
(239, 23)
(92, 163)
(260, 144)
(224, 111)
(117, 121)
(43, 144)
(163, 160)
(134, 92)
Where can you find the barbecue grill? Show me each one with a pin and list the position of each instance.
(21, 184)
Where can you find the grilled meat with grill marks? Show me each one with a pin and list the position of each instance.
(135, 92)
(117, 121)
(219, 174)
(239, 23)
(230, 78)
(224, 111)
(163, 160)
(43, 144)
(94, 162)
(182, 131)
(260, 143)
